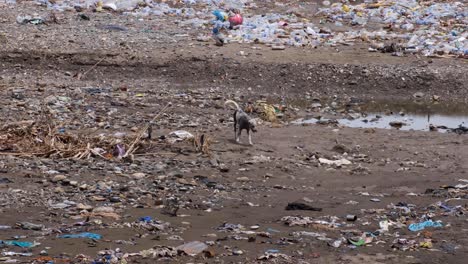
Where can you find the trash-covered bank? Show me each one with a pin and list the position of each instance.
(429, 28)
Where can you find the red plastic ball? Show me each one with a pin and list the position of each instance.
(236, 20)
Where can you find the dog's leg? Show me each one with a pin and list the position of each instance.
(250, 137)
(235, 129)
(238, 134)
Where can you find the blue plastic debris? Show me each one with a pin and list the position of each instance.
(146, 219)
(22, 244)
(420, 226)
(82, 235)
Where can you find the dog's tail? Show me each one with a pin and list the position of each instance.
(231, 102)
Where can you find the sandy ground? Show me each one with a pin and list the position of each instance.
(117, 82)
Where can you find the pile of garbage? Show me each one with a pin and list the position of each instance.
(420, 222)
(426, 27)
(141, 7)
(408, 26)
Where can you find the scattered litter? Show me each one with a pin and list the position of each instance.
(192, 248)
(181, 135)
(159, 252)
(30, 226)
(339, 162)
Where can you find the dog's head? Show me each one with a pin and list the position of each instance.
(252, 125)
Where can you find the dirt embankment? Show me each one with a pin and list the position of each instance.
(282, 75)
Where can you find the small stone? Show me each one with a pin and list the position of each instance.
(418, 95)
(176, 174)
(115, 199)
(73, 183)
(66, 182)
(278, 47)
(397, 124)
(59, 190)
(220, 187)
(83, 187)
(237, 252)
(138, 175)
(81, 206)
(316, 105)
(102, 186)
(58, 178)
(103, 209)
(243, 179)
(209, 254)
(223, 168)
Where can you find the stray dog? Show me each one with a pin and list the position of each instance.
(242, 121)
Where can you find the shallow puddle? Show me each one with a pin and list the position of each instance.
(403, 116)
(407, 122)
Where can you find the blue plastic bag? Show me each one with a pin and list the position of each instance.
(82, 235)
(146, 219)
(22, 244)
(220, 15)
(420, 226)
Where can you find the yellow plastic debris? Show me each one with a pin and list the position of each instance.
(268, 112)
(427, 243)
(99, 6)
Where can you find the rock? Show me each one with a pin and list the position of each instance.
(278, 47)
(58, 178)
(209, 254)
(340, 148)
(115, 199)
(81, 206)
(353, 116)
(73, 183)
(316, 105)
(237, 252)
(223, 168)
(59, 190)
(103, 209)
(138, 175)
(339, 162)
(102, 186)
(30, 226)
(418, 95)
(176, 174)
(397, 124)
(214, 162)
(243, 179)
(65, 182)
(302, 206)
(83, 187)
